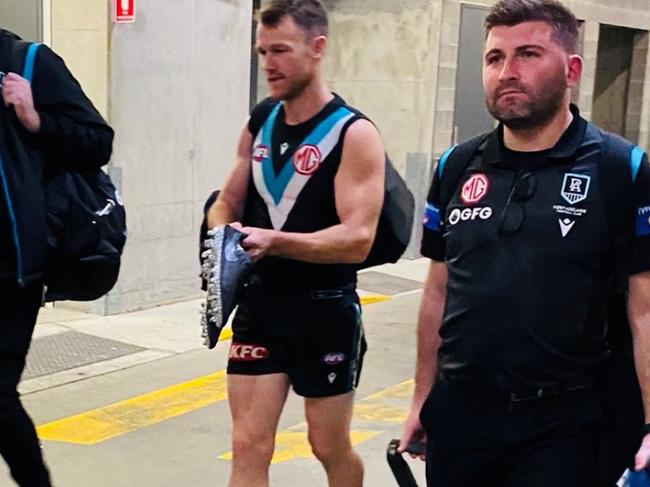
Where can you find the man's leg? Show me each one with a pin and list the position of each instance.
(566, 461)
(19, 445)
(256, 402)
(328, 422)
(563, 449)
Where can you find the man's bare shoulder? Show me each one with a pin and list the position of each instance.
(362, 135)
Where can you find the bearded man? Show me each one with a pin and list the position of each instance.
(512, 325)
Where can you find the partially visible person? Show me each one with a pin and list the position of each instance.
(307, 190)
(46, 124)
(511, 330)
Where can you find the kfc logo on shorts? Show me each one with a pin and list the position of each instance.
(240, 352)
(260, 153)
(333, 358)
(307, 159)
(474, 189)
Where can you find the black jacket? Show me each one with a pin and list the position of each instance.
(72, 134)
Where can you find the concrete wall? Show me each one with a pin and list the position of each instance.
(589, 50)
(382, 60)
(636, 85)
(23, 17)
(632, 14)
(178, 99)
(175, 87)
(612, 78)
(79, 34)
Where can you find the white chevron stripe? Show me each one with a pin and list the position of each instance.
(280, 212)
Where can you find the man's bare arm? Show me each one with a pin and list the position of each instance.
(359, 192)
(432, 307)
(639, 316)
(229, 206)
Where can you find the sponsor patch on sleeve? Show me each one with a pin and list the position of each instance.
(643, 221)
(431, 218)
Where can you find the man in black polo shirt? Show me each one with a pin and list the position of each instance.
(514, 302)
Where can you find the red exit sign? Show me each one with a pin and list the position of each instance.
(123, 11)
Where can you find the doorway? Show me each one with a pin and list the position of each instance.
(470, 115)
(620, 76)
(23, 17)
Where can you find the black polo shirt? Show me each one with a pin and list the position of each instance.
(525, 240)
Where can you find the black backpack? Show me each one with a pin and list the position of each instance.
(393, 229)
(395, 221)
(618, 389)
(86, 224)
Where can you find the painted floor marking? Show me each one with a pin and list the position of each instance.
(375, 409)
(374, 298)
(291, 443)
(101, 424)
(104, 423)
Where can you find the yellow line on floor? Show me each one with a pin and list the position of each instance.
(404, 389)
(380, 413)
(104, 423)
(294, 444)
(226, 334)
(97, 425)
(373, 298)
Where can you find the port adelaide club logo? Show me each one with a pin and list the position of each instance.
(575, 188)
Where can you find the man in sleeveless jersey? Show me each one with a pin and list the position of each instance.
(307, 190)
(511, 325)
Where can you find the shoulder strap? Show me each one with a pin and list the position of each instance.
(619, 165)
(453, 163)
(30, 57)
(23, 55)
(620, 162)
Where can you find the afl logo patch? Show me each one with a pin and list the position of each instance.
(474, 189)
(307, 159)
(334, 358)
(260, 153)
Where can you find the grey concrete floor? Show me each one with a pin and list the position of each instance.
(162, 349)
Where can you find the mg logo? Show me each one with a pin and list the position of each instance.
(474, 189)
(307, 159)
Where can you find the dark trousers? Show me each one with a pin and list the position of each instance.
(19, 445)
(619, 397)
(543, 442)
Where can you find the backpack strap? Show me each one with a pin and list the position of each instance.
(619, 165)
(23, 56)
(30, 57)
(452, 164)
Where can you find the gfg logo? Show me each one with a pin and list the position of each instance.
(466, 214)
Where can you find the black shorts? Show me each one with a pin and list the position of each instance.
(315, 337)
